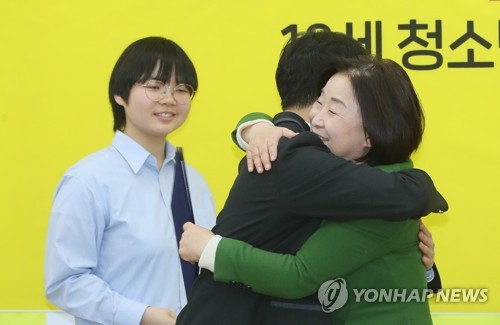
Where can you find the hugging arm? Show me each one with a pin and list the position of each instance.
(316, 183)
(334, 250)
(413, 188)
(244, 122)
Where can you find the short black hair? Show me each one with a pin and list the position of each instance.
(136, 65)
(302, 60)
(390, 109)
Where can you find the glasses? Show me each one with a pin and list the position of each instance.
(157, 90)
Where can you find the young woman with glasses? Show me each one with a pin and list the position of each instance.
(112, 252)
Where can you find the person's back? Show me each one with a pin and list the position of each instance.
(256, 211)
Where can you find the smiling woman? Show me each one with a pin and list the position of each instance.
(111, 255)
(336, 119)
(139, 96)
(153, 111)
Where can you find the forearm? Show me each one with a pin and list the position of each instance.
(334, 250)
(259, 262)
(88, 297)
(71, 284)
(336, 189)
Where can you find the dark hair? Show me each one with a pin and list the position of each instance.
(136, 65)
(390, 109)
(302, 60)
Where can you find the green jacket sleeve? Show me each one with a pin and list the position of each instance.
(247, 118)
(334, 250)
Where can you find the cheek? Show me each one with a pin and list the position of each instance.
(138, 99)
(340, 136)
(184, 112)
(333, 127)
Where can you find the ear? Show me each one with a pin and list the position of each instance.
(368, 143)
(119, 100)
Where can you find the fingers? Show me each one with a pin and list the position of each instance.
(272, 145)
(158, 315)
(171, 314)
(253, 160)
(427, 256)
(426, 246)
(187, 225)
(266, 160)
(426, 251)
(184, 249)
(428, 263)
(424, 229)
(171, 318)
(426, 239)
(250, 165)
(272, 150)
(193, 241)
(258, 158)
(425, 236)
(263, 146)
(289, 133)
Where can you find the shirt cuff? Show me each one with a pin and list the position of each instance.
(430, 275)
(129, 311)
(207, 258)
(242, 143)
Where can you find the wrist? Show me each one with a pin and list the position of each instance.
(207, 257)
(243, 132)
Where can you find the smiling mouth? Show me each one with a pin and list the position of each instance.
(165, 114)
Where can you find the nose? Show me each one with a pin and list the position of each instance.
(167, 96)
(317, 118)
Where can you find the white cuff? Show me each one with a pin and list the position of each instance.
(242, 143)
(207, 258)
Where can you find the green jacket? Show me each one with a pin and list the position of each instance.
(367, 254)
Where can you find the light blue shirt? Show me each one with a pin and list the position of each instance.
(111, 246)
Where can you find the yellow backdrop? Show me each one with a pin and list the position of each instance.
(56, 57)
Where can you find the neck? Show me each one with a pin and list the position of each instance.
(300, 111)
(154, 145)
(159, 152)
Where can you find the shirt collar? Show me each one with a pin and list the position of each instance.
(135, 155)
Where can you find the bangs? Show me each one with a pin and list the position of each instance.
(164, 65)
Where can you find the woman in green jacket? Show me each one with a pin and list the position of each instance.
(370, 269)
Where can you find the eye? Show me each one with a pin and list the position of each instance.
(154, 84)
(332, 112)
(182, 88)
